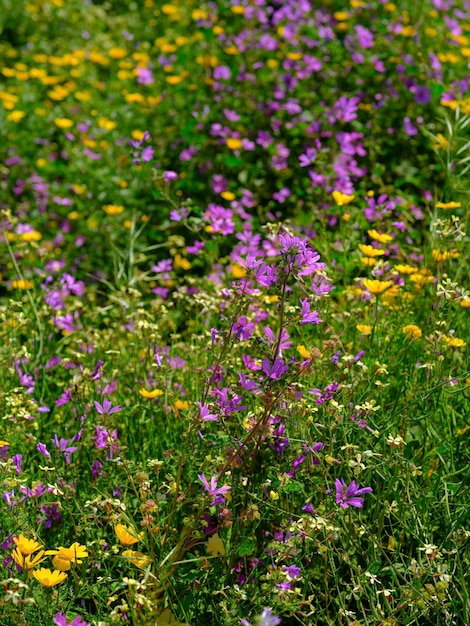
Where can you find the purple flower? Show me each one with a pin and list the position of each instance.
(60, 619)
(242, 328)
(274, 370)
(51, 513)
(308, 157)
(106, 408)
(62, 444)
(205, 414)
(212, 489)
(17, 458)
(43, 450)
(106, 439)
(347, 496)
(307, 317)
(169, 175)
(422, 94)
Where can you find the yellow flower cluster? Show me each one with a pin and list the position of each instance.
(62, 561)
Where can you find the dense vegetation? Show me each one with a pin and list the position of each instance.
(234, 379)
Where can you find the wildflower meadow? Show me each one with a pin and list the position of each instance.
(234, 306)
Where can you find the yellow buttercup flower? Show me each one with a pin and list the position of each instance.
(377, 287)
(150, 394)
(364, 329)
(127, 536)
(48, 578)
(412, 331)
(26, 546)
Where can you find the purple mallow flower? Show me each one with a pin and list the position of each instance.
(106, 408)
(215, 492)
(274, 370)
(347, 496)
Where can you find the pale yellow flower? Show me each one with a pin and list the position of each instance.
(137, 558)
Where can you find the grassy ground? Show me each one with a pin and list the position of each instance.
(234, 378)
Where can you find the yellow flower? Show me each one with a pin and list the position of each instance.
(304, 353)
(48, 578)
(117, 53)
(370, 251)
(106, 124)
(441, 143)
(63, 122)
(27, 562)
(455, 342)
(16, 116)
(342, 199)
(364, 329)
(420, 279)
(234, 143)
(381, 237)
(448, 205)
(5, 443)
(137, 558)
(465, 303)
(22, 284)
(377, 287)
(405, 269)
(412, 331)
(150, 394)
(32, 235)
(64, 557)
(181, 262)
(444, 255)
(238, 271)
(113, 209)
(127, 536)
(215, 546)
(228, 195)
(368, 261)
(26, 546)
(181, 405)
